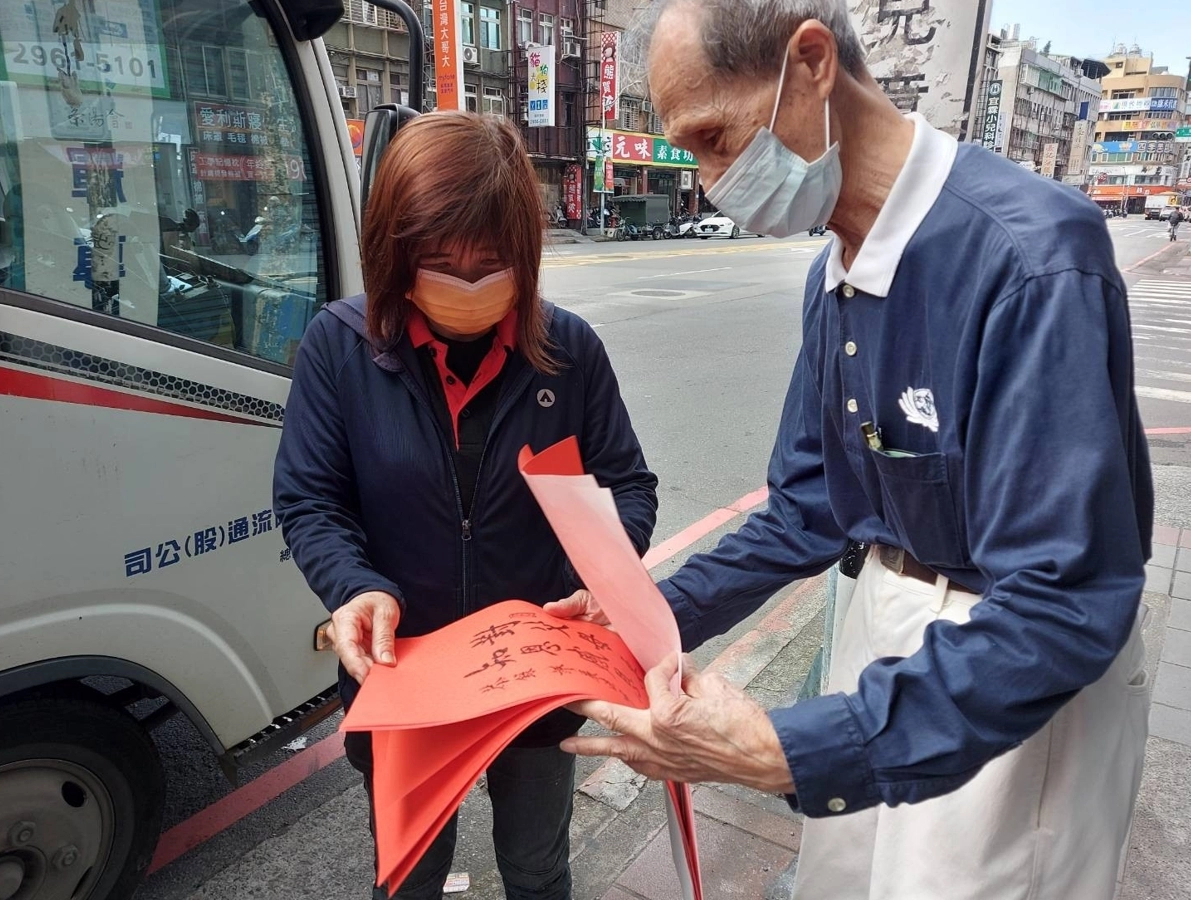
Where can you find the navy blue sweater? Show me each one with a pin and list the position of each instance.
(366, 493)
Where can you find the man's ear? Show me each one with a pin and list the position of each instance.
(814, 58)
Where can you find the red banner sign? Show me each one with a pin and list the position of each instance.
(447, 42)
(209, 167)
(610, 74)
(573, 190)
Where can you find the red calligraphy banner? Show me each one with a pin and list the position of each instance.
(573, 188)
(610, 75)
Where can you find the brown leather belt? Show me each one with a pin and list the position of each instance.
(900, 562)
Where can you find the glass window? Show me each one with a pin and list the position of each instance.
(494, 101)
(546, 28)
(146, 191)
(568, 28)
(524, 26)
(471, 97)
(489, 28)
(468, 24)
(369, 14)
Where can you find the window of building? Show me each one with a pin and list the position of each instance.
(213, 78)
(567, 27)
(467, 24)
(568, 111)
(546, 28)
(369, 14)
(471, 98)
(494, 101)
(240, 71)
(489, 28)
(630, 114)
(524, 26)
(1123, 95)
(369, 93)
(1164, 92)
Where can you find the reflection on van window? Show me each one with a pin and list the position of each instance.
(153, 167)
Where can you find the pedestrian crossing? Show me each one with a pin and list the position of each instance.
(1161, 314)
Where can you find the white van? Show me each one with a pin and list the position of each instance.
(178, 196)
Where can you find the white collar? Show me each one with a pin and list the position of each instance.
(915, 191)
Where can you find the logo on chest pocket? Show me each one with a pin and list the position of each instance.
(546, 399)
(919, 407)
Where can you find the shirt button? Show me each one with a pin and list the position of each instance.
(466, 414)
(853, 406)
(450, 379)
(850, 348)
(836, 805)
(849, 291)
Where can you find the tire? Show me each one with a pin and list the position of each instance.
(658, 233)
(620, 234)
(80, 768)
(735, 233)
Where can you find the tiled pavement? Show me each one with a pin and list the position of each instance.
(1169, 572)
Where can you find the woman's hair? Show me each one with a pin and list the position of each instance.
(449, 179)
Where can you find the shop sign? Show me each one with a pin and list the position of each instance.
(610, 75)
(447, 40)
(992, 113)
(1183, 135)
(638, 149)
(541, 87)
(572, 187)
(211, 167)
(218, 123)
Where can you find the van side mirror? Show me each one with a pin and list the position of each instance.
(310, 19)
(380, 127)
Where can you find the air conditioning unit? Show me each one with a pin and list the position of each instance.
(471, 56)
(347, 92)
(571, 49)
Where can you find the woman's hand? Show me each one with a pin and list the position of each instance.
(362, 632)
(581, 606)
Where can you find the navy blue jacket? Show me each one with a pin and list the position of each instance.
(365, 491)
(1027, 478)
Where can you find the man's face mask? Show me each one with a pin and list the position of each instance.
(772, 190)
(462, 307)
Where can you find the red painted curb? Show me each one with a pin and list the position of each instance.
(241, 803)
(1158, 431)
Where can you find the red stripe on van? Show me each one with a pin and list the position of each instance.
(34, 386)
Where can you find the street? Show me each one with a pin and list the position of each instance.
(703, 336)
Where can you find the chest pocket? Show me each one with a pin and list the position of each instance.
(919, 506)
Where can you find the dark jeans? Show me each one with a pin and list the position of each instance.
(532, 795)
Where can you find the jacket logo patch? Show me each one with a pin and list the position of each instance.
(919, 407)
(546, 399)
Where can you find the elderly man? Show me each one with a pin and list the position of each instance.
(964, 403)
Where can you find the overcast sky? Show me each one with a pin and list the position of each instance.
(1090, 28)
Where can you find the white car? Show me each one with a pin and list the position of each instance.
(718, 226)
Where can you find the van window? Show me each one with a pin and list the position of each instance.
(153, 167)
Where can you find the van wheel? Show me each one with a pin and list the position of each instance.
(81, 798)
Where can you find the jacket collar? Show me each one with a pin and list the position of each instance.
(914, 193)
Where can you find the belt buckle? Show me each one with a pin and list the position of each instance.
(893, 559)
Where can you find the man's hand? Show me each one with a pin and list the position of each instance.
(710, 732)
(362, 632)
(581, 606)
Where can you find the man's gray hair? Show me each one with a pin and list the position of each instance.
(749, 37)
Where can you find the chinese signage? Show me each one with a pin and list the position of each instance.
(610, 75)
(1183, 136)
(605, 181)
(926, 54)
(448, 51)
(572, 186)
(203, 542)
(1139, 104)
(992, 113)
(638, 149)
(118, 50)
(1050, 158)
(217, 123)
(541, 87)
(1132, 146)
(209, 167)
(1079, 147)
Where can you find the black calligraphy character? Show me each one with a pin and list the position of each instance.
(547, 648)
(500, 659)
(546, 626)
(494, 633)
(526, 675)
(594, 658)
(562, 670)
(594, 641)
(902, 12)
(904, 90)
(498, 685)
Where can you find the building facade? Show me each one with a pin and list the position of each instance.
(1135, 152)
(1038, 109)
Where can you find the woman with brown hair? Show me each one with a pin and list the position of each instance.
(397, 484)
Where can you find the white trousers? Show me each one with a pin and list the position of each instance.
(1046, 821)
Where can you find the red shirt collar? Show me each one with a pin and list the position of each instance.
(421, 335)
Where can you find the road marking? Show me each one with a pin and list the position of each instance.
(569, 262)
(1161, 328)
(241, 803)
(679, 274)
(1163, 394)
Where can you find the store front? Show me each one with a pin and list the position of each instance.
(645, 164)
(1129, 197)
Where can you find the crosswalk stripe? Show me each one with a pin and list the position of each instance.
(1162, 355)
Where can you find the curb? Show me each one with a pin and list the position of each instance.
(1171, 254)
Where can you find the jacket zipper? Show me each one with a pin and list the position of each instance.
(465, 521)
